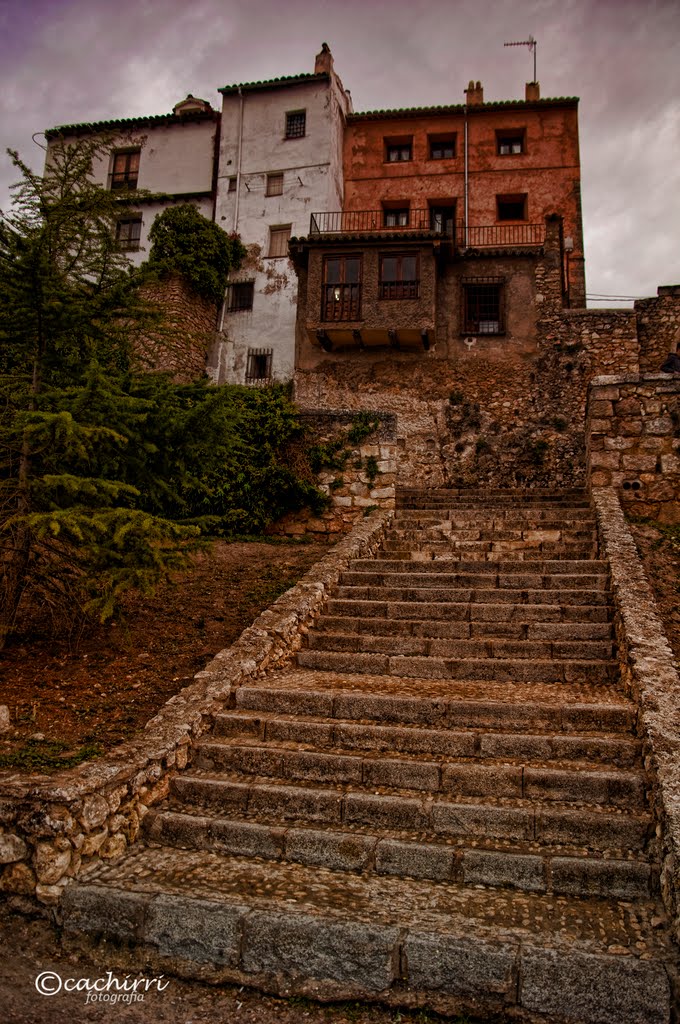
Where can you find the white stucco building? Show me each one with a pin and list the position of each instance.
(260, 169)
(172, 156)
(280, 160)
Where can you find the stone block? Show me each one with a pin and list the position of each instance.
(204, 931)
(12, 848)
(51, 860)
(461, 966)
(95, 811)
(111, 912)
(630, 427)
(606, 460)
(639, 463)
(609, 989)
(18, 879)
(337, 851)
(414, 860)
(5, 719)
(600, 407)
(659, 426)
(492, 867)
(301, 945)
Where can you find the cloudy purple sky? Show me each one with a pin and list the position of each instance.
(64, 61)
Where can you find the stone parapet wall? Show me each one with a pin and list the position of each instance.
(608, 337)
(650, 678)
(658, 322)
(186, 334)
(53, 828)
(633, 428)
(365, 481)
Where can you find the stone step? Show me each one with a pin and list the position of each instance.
(485, 551)
(532, 626)
(498, 669)
(533, 567)
(502, 518)
(451, 704)
(453, 605)
(553, 604)
(342, 935)
(527, 867)
(594, 826)
(428, 772)
(321, 732)
(504, 592)
(489, 504)
(482, 647)
(490, 534)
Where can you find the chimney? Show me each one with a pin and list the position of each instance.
(533, 92)
(474, 94)
(323, 64)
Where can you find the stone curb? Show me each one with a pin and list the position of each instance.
(51, 829)
(649, 673)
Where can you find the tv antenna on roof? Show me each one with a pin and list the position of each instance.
(532, 44)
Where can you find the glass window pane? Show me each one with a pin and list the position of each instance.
(389, 268)
(352, 270)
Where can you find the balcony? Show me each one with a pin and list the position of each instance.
(488, 236)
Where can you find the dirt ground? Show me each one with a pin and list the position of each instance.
(80, 696)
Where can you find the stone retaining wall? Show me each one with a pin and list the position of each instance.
(633, 427)
(650, 677)
(52, 828)
(181, 344)
(366, 480)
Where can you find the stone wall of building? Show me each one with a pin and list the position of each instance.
(363, 480)
(633, 429)
(658, 322)
(181, 343)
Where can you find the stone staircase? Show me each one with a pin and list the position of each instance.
(443, 802)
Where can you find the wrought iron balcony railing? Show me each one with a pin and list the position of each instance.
(475, 236)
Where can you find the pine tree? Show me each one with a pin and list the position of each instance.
(73, 534)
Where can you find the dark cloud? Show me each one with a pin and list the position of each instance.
(86, 60)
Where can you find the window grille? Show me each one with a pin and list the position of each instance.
(274, 185)
(483, 302)
(296, 124)
(259, 367)
(240, 296)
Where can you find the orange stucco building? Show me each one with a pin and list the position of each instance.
(442, 228)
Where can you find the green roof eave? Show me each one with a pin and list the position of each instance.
(275, 83)
(459, 108)
(128, 123)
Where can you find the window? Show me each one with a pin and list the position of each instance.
(399, 276)
(442, 219)
(125, 169)
(397, 217)
(240, 296)
(274, 185)
(342, 288)
(510, 143)
(398, 152)
(128, 233)
(259, 367)
(278, 241)
(511, 207)
(442, 147)
(483, 305)
(232, 184)
(296, 123)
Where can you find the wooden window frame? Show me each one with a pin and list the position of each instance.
(129, 244)
(345, 303)
(278, 230)
(127, 178)
(399, 289)
(274, 184)
(506, 136)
